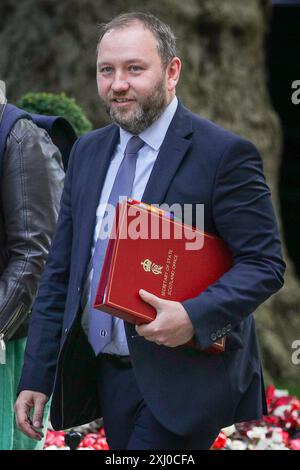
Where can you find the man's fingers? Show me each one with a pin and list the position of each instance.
(38, 414)
(151, 299)
(26, 402)
(24, 422)
(28, 429)
(149, 329)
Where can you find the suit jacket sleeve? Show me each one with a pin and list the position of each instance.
(244, 218)
(47, 314)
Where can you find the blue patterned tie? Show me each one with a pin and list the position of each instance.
(100, 323)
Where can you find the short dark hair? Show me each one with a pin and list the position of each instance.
(166, 41)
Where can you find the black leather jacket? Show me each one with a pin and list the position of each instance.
(31, 187)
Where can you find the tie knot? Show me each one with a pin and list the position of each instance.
(134, 144)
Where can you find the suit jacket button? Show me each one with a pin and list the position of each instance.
(103, 333)
(78, 290)
(213, 337)
(66, 330)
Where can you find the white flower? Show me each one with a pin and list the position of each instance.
(56, 448)
(257, 433)
(229, 430)
(237, 445)
(281, 393)
(279, 411)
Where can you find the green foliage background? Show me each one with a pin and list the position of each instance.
(56, 105)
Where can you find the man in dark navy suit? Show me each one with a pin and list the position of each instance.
(153, 392)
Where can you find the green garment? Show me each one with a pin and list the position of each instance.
(10, 437)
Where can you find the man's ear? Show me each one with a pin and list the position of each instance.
(173, 73)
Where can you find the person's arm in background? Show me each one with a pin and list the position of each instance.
(44, 335)
(32, 183)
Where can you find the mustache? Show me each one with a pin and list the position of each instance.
(121, 95)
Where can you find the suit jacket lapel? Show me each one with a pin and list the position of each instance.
(102, 150)
(171, 154)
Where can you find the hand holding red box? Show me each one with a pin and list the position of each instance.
(162, 266)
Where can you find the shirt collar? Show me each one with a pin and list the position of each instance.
(154, 134)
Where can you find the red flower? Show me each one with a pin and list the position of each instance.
(55, 438)
(270, 393)
(282, 401)
(295, 444)
(101, 441)
(220, 442)
(50, 438)
(285, 437)
(60, 440)
(274, 420)
(89, 440)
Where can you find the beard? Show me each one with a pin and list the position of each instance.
(145, 112)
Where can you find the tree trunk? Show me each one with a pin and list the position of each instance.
(50, 46)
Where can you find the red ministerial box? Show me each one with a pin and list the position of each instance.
(148, 250)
